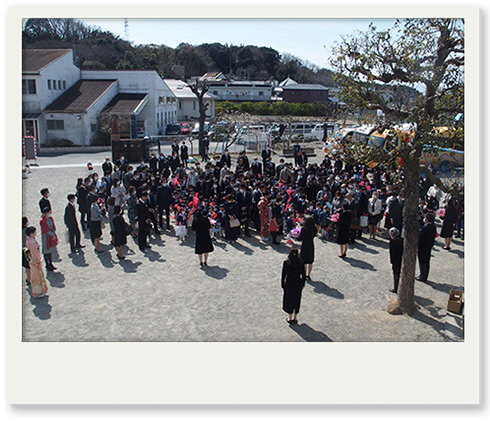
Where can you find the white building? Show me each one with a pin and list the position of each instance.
(187, 103)
(46, 75)
(61, 102)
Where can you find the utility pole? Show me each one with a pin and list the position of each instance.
(126, 29)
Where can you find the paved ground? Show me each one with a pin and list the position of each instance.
(164, 295)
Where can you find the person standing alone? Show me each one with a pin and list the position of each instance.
(426, 242)
(72, 224)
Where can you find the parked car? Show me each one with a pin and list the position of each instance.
(172, 130)
(186, 128)
(195, 131)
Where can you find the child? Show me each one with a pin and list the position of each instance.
(324, 222)
(181, 229)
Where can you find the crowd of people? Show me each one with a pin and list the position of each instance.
(228, 197)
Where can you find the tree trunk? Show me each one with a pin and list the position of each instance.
(404, 301)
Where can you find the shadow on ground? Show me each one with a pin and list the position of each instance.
(309, 334)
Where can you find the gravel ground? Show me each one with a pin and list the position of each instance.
(164, 295)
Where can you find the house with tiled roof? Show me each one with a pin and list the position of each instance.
(59, 101)
(292, 91)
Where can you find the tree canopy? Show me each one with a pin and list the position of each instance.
(414, 74)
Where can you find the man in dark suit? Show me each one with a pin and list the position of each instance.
(226, 159)
(426, 242)
(164, 198)
(256, 168)
(244, 202)
(266, 154)
(184, 154)
(107, 167)
(144, 220)
(396, 253)
(44, 202)
(72, 224)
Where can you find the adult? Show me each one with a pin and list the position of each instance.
(426, 242)
(297, 154)
(49, 239)
(232, 221)
(375, 213)
(244, 202)
(164, 199)
(107, 167)
(37, 279)
(449, 220)
(120, 231)
(83, 208)
(144, 221)
(264, 211)
(118, 192)
(71, 223)
(343, 226)
(293, 280)
(396, 254)
(184, 154)
(307, 236)
(44, 202)
(132, 210)
(434, 196)
(25, 261)
(204, 243)
(96, 222)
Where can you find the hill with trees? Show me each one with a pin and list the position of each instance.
(95, 48)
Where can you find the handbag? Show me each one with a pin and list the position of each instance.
(364, 221)
(27, 254)
(234, 223)
(67, 236)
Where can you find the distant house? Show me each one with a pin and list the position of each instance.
(187, 104)
(225, 89)
(303, 93)
(59, 101)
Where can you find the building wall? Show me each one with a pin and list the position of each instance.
(78, 127)
(188, 109)
(161, 108)
(62, 70)
(232, 92)
(303, 96)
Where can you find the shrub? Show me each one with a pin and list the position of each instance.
(53, 143)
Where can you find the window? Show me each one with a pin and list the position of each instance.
(215, 93)
(29, 87)
(93, 128)
(55, 85)
(64, 84)
(261, 93)
(60, 84)
(50, 86)
(55, 124)
(194, 105)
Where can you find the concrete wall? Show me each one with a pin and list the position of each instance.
(189, 109)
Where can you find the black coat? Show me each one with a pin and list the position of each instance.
(70, 217)
(120, 230)
(343, 226)
(307, 252)
(396, 253)
(426, 240)
(164, 197)
(82, 193)
(44, 203)
(204, 244)
(293, 280)
(450, 218)
(143, 213)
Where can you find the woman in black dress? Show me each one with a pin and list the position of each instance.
(120, 231)
(204, 244)
(307, 236)
(293, 280)
(343, 226)
(450, 218)
(232, 214)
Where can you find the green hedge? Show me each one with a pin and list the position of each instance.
(281, 108)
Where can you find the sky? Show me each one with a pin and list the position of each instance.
(310, 40)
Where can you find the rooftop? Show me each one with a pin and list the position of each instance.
(34, 60)
(80, 96)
